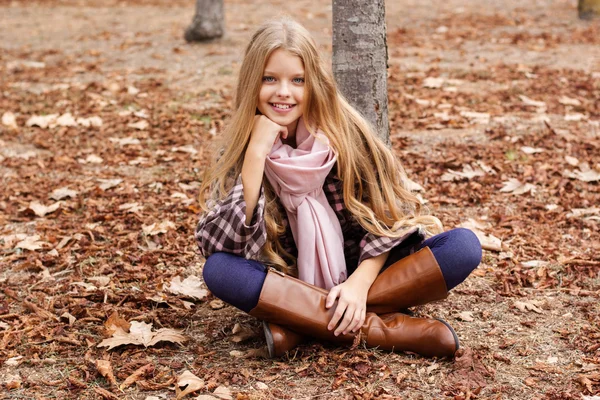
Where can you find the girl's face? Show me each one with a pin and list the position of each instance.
(282, 91)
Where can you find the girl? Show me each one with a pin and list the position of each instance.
(303, 188)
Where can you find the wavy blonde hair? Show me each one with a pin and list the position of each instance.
(377, 198)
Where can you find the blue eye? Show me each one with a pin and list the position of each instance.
(298, 80)
(268, 79)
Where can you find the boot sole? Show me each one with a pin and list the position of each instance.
(269, 338)
(456, 342)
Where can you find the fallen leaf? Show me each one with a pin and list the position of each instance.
(92, 159)
(20, 64)
(572, 161)
(190, 287)
(185, 149)
(115, 322)
(433, 83)
(236, 353)
(140, 125)
(468, 371)
(476, 117)
(534, 263)
(66, 120)
(105, 369)
(575, 117)
(31, 243)
(106, 184)
(584, 174)
(125, 141)
(468, 172)
(69, 317)
(141, 334)
(43, 121)
(567, 101)
(261, 386)
(41, 210)
(131, 207)
(530, 102)
(217, 304)
(14, 361)
(87, 286)
(528, 306)
(136, 375)
(105, 394)
(581, 212)
(514, 186)
(531, 150)
(103, 281)
(531, 382)
(466, 316)
(64, 192)
(155, 229)
(413, 186)
(241, 333)
(224, 393)
(585, 381)
(91, 121)
(12, 382)
(190, 381)
(9, 119)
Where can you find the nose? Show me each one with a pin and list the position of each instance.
(283, 90)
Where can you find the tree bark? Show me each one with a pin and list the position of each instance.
(588, 9)
(208, 22)
(360, 59)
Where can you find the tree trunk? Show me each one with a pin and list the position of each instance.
(208, 23)
(360, 59)
(588, 9)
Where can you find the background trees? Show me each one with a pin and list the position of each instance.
(360, 58)
(208, 22)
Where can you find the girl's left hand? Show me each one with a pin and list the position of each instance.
(352, 305)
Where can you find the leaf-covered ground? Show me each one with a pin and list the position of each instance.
(108, 117)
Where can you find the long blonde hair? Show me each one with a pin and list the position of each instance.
(377, 198)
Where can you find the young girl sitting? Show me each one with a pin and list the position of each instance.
(309, 225)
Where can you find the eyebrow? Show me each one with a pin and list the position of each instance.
(274, 73)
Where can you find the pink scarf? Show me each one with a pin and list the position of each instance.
(297, 175)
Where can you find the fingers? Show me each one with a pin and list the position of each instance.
(360, 321)
(347, 321)
(284, 132)
(337, 316)
(333, 294)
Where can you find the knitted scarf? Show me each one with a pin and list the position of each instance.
(297, 176)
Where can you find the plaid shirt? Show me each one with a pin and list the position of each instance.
(224, 229)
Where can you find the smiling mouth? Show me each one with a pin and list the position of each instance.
(282, 106)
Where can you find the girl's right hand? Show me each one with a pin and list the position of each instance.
(264, 134)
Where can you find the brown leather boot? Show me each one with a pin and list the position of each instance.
(280, 340)
(299, 306)
(411, 281)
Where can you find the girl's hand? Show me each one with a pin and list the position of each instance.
(264, 134)
(352, 305)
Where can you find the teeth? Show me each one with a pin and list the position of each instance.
(282, 106)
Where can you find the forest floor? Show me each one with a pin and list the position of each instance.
(108, 121)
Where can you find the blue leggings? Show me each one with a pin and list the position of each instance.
(238, 281)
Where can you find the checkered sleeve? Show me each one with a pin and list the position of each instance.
(372, 245)
(223, 227)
